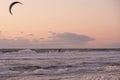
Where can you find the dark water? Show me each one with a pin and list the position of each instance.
(62, 50)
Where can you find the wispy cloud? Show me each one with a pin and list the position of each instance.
(30, 35)
(56, 40)
(0, 33)
(115, 45)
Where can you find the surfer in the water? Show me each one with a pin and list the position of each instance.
(59, 50)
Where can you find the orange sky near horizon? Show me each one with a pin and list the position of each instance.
(99, 19)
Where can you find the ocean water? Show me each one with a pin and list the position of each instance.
(60, 64)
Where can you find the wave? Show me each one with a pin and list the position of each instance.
(59, 65)
(60, 50)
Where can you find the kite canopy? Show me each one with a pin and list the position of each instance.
(11, 6)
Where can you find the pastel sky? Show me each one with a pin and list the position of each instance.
(60, 24)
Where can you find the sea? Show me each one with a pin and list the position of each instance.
(60, 64)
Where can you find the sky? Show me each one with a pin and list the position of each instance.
(60, 24)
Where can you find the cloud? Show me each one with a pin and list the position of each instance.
(18, 43)
(69, 39)
(57, 40)
(30, 35)
(22, 32)
(115, 45)
(0, 33)
(52, 33)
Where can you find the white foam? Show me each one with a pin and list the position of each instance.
(57, 59)
(26, 51)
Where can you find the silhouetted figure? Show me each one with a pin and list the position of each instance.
(59, 50)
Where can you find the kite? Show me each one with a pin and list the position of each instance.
(11, 6)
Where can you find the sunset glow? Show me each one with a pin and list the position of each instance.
(42, 22)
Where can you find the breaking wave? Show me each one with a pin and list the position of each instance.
(58, 64)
